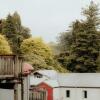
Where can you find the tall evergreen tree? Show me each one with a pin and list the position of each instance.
(17, 22)
(65, 41)
(9, 30)
(8, 27)
(85, 49)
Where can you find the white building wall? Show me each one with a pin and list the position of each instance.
(56, 94)
(78, 94)
(6, 94)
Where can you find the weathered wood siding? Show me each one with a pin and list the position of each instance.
(37, 95)
(10, 65)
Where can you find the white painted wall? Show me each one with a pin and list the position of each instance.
(6, 94)
(56, 94)
(77, 94)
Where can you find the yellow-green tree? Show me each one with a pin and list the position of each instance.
(37, 53)
(4, 46)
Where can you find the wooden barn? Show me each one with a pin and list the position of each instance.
(14, 81)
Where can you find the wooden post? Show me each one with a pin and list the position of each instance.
(15, 92)
(26, 87)
(16, 65)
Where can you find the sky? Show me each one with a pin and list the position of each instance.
(45, 18)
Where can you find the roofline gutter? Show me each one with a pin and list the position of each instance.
(75, 87)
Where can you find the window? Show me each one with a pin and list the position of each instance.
(67, 93)
(39, 76)
(85, 94)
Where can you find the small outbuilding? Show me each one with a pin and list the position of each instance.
(79, 86)
(70, 86)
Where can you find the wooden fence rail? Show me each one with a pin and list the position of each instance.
(37, 95)
(10, 65)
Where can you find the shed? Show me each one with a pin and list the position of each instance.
(49, 88)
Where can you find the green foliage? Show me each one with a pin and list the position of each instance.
(84, 50)
(4, 46)
(33, 50)
(65, 41)
(37, 52)
(9, 29)
(24, 32)
(14, 31)
(62, 58)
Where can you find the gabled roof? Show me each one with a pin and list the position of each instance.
(69, 79)
(79, 79)
(52, 74)
(35, 81)
(47, 75)
(51, 83)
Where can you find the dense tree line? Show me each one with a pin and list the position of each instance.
(82, 42)
(77, 50)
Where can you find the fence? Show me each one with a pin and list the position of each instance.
(10, 65)
(37, 95)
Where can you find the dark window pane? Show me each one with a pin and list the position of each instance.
(85, 94)
(68, 93)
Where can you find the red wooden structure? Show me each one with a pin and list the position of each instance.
(41, 92)
(48, 89)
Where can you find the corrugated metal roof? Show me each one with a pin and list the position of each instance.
(69, 79)
(52, 83)
(52, 74)
(35, 81)
(79, 79)
(49, 77)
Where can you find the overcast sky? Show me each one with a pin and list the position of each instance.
(45, 18)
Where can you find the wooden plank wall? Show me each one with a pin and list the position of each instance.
(37, 95)
(10, 65)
